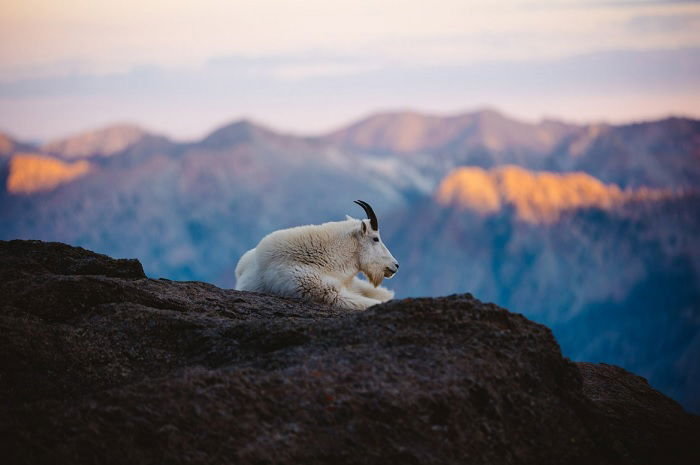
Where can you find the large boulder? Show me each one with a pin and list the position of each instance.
(100, 364)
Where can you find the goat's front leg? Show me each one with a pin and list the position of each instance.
(350, 299)
(329, 290)
(365, 288)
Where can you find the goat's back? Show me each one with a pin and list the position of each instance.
(245, 266)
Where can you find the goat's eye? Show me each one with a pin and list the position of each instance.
(376, 239)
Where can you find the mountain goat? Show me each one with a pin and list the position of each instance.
(320, 263)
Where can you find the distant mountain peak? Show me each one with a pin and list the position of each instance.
(407, 132)
(9, 145)
(232, 133)
(398, 131)
(244, 131)
(6, 144)
(103, 142)
(537, 197)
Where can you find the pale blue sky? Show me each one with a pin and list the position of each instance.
(183, 68)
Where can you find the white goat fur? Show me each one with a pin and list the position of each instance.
(320, 263)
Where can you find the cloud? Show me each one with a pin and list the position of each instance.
(38, 38)
(310, 93)
(649, 24)
(305, 65)
(612, 71)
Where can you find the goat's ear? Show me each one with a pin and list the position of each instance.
(364, 227)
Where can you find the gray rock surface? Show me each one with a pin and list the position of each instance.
(99, 364)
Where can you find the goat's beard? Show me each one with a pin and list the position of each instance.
(375, 276)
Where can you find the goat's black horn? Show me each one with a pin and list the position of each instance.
(370, 214)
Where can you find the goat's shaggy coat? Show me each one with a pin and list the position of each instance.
(320, 263)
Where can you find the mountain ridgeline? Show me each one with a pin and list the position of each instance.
(590, 229)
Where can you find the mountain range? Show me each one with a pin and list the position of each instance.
(591, 229)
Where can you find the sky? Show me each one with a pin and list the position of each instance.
(183, 68)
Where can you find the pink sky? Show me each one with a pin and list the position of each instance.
(308, 66)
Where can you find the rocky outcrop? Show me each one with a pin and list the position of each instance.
(100, 364)
(538, 197)
(31, 173)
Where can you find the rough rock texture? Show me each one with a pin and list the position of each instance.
(627, 401)
(99, 364)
